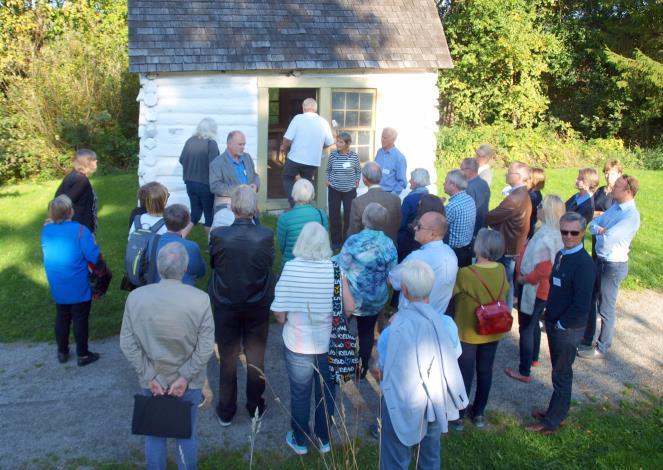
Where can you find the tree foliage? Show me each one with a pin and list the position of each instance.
(65, 84)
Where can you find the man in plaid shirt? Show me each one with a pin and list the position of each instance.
(461, 214)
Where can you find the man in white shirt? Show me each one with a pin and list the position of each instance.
(307, 135)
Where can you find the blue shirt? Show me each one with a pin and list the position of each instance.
(621, 222)
(68, 247)
(196, 267)
(240, 169)
(394, 170)
(461, 215)
(366, 259)
(444, 264)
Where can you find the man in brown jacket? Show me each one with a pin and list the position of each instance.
(168, 336)
(372, 174)
(511, 218)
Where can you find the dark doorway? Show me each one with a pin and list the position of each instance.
(284, 104)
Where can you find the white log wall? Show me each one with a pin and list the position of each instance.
(172, 105)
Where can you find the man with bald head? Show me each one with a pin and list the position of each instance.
(512, 218)
(430, 232)
(392, 162)
(307, 135)
(371, 175)
(232, 168)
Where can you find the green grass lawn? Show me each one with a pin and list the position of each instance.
(26, 308)
(626, 435)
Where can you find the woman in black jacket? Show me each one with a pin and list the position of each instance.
(77, 186)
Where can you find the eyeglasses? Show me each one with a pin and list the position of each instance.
(419, 227)
(566, 233)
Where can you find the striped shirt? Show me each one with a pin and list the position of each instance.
(305, 290)
(343, 171)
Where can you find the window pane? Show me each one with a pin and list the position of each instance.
(352, 101)
(338, 117)
(365, 118)
(273, 94)
(351, 118)
(367, 101)
(364, 138)
(363, 154)
(338, 100)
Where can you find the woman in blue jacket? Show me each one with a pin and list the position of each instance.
(68, 247)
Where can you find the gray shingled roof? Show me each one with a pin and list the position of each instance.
(215, 35)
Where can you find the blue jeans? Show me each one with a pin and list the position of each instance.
(186, 450)
(201, 200)
(530, 337)
(510, 267)
(609, 276)
(396, 455)
(306, 371)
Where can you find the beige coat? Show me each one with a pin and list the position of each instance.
(168, 332)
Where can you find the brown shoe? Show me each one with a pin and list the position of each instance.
(514, 374)
(540, 428)
(540, 414)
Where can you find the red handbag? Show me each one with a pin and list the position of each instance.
(495, 317)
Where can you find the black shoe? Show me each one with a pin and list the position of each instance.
(63, 357)
(89, 359)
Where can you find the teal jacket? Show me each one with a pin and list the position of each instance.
(290, 223)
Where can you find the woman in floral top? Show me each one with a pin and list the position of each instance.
(366, 259)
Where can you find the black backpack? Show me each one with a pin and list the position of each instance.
(140, 257)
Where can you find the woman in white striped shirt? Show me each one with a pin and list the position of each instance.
(303, 304)
(343, 174)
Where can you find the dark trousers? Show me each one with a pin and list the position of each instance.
(480, 357)
(530, 336)
(293, 169)
(563, 346)
(464, 255)
(339, 230)
(366, 334)
(65, 314)
(202, 202)
(609, 276)
(248, 327)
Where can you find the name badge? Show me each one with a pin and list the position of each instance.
(557, 282)
(385, 171)
(346, 165)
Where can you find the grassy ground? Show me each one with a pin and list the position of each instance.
(26, 308)
(596, 436)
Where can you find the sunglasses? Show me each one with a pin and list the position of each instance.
(573, 233)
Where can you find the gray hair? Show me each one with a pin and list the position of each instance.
(232, 134)
(457, 178)
(489, 244)
(312, 243)
(302, 191)
(393, 132)
(372, 172)
(574, 217)
(172, 261)
(485, 153)
(471, 164)
(375, 216)
(60, 209)
(206, 129)
(176, 217)
(309, 104)
(420, 177)
(418, 277)
(243, 201)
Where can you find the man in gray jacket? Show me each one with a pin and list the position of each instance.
(168, 363)
(232, 168)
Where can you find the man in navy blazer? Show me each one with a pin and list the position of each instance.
(232, 168)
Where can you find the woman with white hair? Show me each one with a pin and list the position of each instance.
(197, 154)
(290, 223)
(304, 301)
(422, 386)
(419, 180)
(366, 259)
(533, 268)
(76, 185)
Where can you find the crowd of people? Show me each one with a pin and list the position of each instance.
(440, 263)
